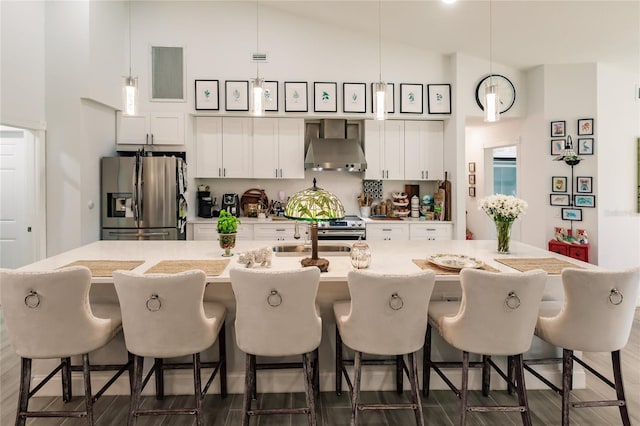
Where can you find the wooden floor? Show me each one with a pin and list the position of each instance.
(441, 408)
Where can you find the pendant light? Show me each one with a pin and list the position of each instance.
(257, 84)
(380, 88)
(130, 90)
(491, 98)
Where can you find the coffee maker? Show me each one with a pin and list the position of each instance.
(231, 203)
(206, 205)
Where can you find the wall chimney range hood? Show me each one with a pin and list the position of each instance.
(330, 148)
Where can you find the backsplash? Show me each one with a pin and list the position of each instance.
(346, 186)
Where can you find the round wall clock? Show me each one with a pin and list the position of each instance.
(506, 91)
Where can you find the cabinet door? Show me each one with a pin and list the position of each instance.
(373, 139)
(291, 148)
(430, 231)
(208, 147)
(205, 232)
(393, 151)
(424, 150)
(273, 232)
(265, 148)
(236, 147)
(166, 129)
(414, 151)
(395, 231)
(132, 129)
(434, 152)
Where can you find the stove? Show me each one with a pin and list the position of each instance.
(351, 227)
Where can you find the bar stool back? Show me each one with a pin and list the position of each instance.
(596, 316)
(276, 316)
(496, 316)
(385, 316)
(48, 315)
(163, 316)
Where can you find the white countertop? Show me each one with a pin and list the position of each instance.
(252, 220)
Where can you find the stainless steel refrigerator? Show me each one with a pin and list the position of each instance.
(143, 198)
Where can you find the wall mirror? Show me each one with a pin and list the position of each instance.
(167, 74)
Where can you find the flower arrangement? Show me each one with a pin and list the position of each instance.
(505, 208)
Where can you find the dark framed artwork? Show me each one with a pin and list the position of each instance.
(558, 129)
(559, 184)
(472, 179)
(581, 200)
(559, 199)
(584, 184)
(271, 96)
(236, 95)
(411, 98)
(557, 146)
(207, 98)
(585, 146)
(472, 167)
(572, 214)
(354, 97)
(472, 191)
(295, 96)
(585, 126)
(388, 98)
(325, 97)
(439, 98)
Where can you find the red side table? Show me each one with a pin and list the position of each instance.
(576, 251)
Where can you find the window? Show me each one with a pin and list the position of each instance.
(167, 73)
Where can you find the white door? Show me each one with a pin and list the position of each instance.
(17, 203)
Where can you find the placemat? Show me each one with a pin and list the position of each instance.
(549, 264)
(426, 265)
(210, 267)
(105, 268)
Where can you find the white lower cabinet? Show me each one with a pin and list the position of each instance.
(430, 231)
(387, 231)
(209, 232)
(274, 231)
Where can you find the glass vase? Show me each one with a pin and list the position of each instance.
(503, 229)
(360, 255)
(227, 242)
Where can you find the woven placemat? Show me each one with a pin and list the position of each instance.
(426, 265)
(105, 268)
(210, 267)
(549, 264)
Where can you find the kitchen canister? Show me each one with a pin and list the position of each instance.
(360, 255)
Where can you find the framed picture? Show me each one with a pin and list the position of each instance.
(354, 97)
(237, 95)
(572, 214)
(585, 126)
(559, 199)
(271, 96)
(207, 95)
(388, 98)
(558, 129)
(295, 96)
(411, 98)
(584, 184)
(559, 184)
(472, 191)
(472, 179)
(557, 146)
(580, 200)
(585, 146)
(325, 97)
(472, 167)
(439, 98)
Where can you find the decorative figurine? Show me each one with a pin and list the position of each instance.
(260, 256)
(582, 236)
(559, 235)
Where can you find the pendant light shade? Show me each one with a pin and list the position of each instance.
(380, 90)
(257, 85)
(491, 104)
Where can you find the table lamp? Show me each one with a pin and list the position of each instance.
(313, 205)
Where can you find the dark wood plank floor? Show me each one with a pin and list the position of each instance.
(441, 408)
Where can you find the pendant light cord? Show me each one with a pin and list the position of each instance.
(257, 37)
(129, 38)
(380, 40)
(490, 42)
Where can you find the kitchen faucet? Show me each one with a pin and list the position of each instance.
(296, 231)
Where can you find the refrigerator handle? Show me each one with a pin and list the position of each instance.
(140, 189)
(134, 184)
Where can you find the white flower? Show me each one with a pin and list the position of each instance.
(502, 207)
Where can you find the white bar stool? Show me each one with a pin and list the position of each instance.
(596, 316)
(48, 315)
(496, 316)
(276, 316)
(164, 316)
(385, 316)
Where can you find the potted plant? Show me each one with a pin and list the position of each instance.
(227, 229)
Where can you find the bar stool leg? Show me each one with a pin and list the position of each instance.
(399, 375)
(138, 363)
(248, 388)
(159, 374)
(567, 372)
(355, 397)
(521, 389)
(131, 357)
(426, 363)
(254, 373)
(197, 385)
(338, 363)
(25, 384)
(66, 379)
(415, 391)
(222, 359)
(617, 375)
(316, 373)
(510, 375)
(464, 387)
(86, 372)
(309, 388)
(486, 375)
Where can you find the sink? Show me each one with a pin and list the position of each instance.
(334, 249)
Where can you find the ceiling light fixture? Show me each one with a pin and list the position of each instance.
(130, 90)
(491, 98)
(380, 88)
(257, 84)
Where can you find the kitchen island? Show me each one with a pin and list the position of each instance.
(387, 257)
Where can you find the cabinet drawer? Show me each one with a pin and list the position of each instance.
(388, 232)
(430, 231)
(209, 232)
(277, 232)
(579, 253)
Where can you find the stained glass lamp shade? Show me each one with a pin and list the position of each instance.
(314, 204)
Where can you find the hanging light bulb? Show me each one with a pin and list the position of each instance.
(130, 89)
(380, 88)
(258, 96)
(491, 97)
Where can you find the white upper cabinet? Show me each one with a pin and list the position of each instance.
(150, 129)
(208, 147)
(223, 147)
(424, 150)
(384, 149)
(278, 148)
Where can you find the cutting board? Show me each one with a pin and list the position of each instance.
(446, 185)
